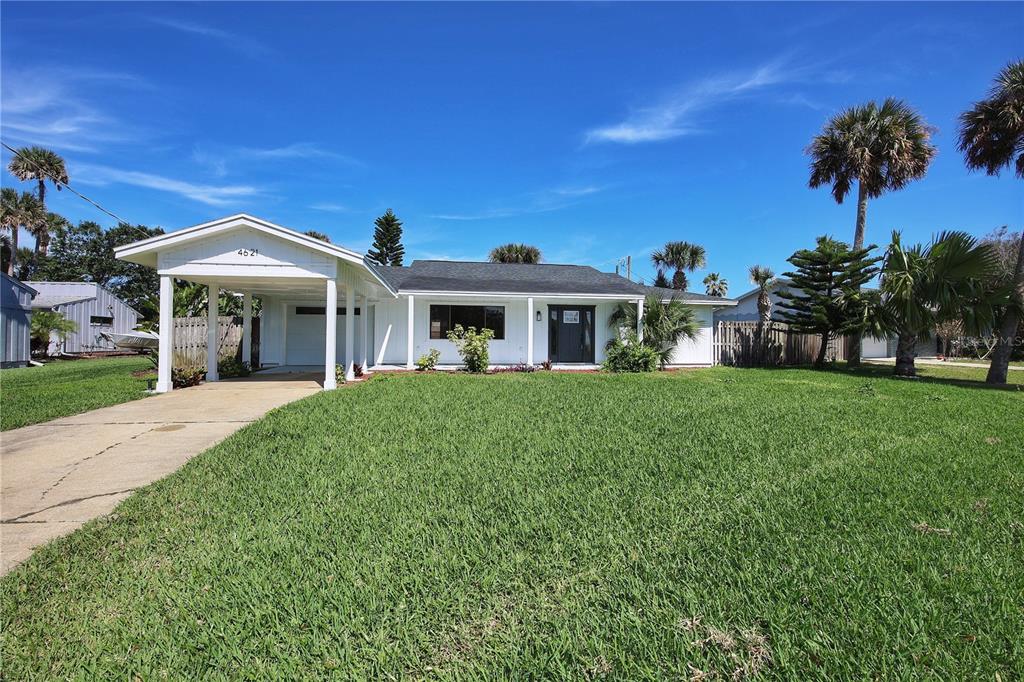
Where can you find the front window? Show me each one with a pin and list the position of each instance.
(443, 319)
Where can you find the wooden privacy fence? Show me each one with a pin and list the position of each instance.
(190, 340)
(735, 344)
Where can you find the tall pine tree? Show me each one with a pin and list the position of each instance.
(826, 296)
(387, 240)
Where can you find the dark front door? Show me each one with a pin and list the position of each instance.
(571, 333)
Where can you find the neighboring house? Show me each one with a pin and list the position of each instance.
(92, 308)
(746, 311)
(15, 322)
(324, 304)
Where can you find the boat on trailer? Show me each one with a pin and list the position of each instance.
(134, 340)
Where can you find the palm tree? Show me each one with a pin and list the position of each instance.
(515, 253)
(991, 135)
(17, 211)
(763, 277)
(924, 286)
(39, 164)
(716, 285)
(881, 148)
(9, 222)
(665, 324)
(46, 325)
(43, 231)
(682, 257)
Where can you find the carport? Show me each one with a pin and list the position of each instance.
(297, 277)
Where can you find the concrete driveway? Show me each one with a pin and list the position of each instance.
(58, 475)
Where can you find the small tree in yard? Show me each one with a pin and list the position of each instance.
(472, 346)
(924, 286)
(830, 301)
(45, 324)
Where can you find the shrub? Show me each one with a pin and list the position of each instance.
(339, 374)
(429, 360)
(232, 367)
(630, 356)
(183, 377)
(357, 370)
(546, 365)
(472, 346)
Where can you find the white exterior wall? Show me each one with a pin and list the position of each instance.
(218, 256)
(389, 330)
(700, 351)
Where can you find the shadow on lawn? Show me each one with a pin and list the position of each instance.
(872, 371)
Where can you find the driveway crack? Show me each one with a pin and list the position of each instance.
(65, 503)
(75, 465)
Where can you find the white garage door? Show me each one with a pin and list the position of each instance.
(305, 336)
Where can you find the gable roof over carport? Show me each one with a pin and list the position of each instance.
(145, 252)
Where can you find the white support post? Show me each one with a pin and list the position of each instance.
(331, 335)
(350, 332)
(247, 328)
(529, 331)
(640, 319)
(166, 343)
(364, 326)
(212, 307)
(409, 336)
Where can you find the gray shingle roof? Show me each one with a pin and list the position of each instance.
(513, 278)
(665, 294)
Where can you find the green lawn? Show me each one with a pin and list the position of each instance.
(31, 395)
(764, 523)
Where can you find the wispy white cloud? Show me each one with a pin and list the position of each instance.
(298, 150)
(216, 165)
(676, 115)
(233, 41)
(329, 207)
(543, 201)
(576, 191)
(218, 161)
(48, 107)
(211, 195)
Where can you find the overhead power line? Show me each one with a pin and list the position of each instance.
(71, 189)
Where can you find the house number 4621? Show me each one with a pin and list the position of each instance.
(248, 252)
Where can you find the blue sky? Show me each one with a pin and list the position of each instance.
(591, 130)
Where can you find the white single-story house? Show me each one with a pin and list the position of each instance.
(745, 310)
(15, 322)
(94, 310)
(324, 304)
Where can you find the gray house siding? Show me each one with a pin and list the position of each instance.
(15, 322)
(86, 304)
